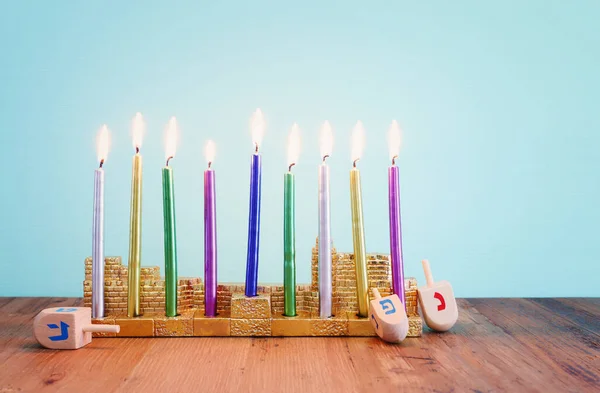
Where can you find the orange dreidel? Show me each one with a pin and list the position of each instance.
(67, 327)
(388, 317)
(437, 302)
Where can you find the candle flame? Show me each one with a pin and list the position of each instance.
(210, 151)
(326, 140)
(293, 146)
(257, 127)
(102, 143)
(394, 139)
(358, 140)
(171, 138)
(138, 127)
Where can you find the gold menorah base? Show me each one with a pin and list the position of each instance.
(260, 316)
(251, 317)
(194, 323)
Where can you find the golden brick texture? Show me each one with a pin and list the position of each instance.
(181, 325)
(334, 326)
(221, 326)
(243, 307)
(152, 289)
(415, 326)
(251, 327)
(135, 327)
(260, 316)
(298, 326)
(379, 273)
(359, 327)
(191, 290)
(412, 305)
(218, 326)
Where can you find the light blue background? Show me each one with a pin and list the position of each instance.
(498, 101)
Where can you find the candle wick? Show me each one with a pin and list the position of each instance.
(209, 164)
(256, 149)
(394, 159)
(325, 157)
(354, 163)
(290, 167)
(169, 159)
(101, 163)
(137, 150)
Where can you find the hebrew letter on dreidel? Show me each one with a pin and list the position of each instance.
(387, 306)
(437, 302)
(64, 331)
(374, 321)
(388, 317)
(440, 297)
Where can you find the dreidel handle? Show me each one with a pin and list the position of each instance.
(102, 328)
(376, 293)
(427, 270)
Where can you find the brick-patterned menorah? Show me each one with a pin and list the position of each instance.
(241, 316)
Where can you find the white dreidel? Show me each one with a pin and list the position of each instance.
(388, 317)
(437, 302)
(67, 327)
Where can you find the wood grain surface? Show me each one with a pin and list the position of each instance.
(512, 345)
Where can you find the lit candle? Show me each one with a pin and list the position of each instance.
(210, 236)
(358, 233)
(170, 237)
(135, 221)
(257, 126)
(395, 223)
(289, 225)
(102, 143)
(326, 145)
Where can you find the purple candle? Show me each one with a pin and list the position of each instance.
(210, 236)
(395, 224)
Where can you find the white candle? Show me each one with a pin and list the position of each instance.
(326, 142)
(102, 143)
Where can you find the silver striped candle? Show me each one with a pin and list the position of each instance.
(324, 242)
(98, 246)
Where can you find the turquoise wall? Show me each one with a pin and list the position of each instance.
(498, 102)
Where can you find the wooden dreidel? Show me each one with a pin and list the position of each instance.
(437, 302)
(388, 317)
(67, 327)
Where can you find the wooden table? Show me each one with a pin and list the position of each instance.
(514, 345)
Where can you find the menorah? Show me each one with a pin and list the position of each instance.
(238, 315)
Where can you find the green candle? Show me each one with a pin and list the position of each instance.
(289, 246)
(169, 226)
(289, 226)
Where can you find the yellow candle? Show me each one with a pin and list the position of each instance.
(135, 223)
(358, 233)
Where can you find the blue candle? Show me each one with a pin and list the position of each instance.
(257, 126)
